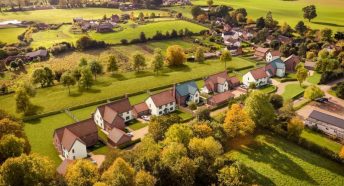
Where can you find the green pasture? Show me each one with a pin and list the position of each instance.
(54, 16)
(330, 12)
(292, 90)
(321, 140)
(272, 160)
(10, 35)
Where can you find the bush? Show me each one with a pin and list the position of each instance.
(192, 105)
(124, 41)
(329, 76)
(86, 43)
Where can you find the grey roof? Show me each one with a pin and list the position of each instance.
(331, 120)
(41, 53)
(278, 63)
(187, 88)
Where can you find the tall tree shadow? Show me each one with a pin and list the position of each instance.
(327, 24)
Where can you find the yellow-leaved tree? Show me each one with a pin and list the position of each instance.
(238, 122)
(82, 172)
(341, 153)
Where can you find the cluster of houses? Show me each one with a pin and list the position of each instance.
(233, 37)
(99, 25)
(275, 67)
(73, 140)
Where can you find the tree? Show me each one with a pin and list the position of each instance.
(225, 57)
(258, 107)
(82, 173)
(67, 80)
(287, 111)
(112, 64)
(83, 62)
(11, 146)
(179, 133)
(43, 76)
(340, 90)
(202, 130)
(341, 153)
(86, 80)
(203, 114)
(23, 103)
(139, 61)
(27, 170)
(269, 21)
(232, 175)
(159, 125)
(175, 55)
(295, 127)
(195, 11)
(143, 37)
(312, 92)
(326, 34)
(237, 122)
(301, 74)
(286, 29)
(199, 55)
(208, 147)
(210, 3)
(301, 28)
(143, 178)
(309, 12)
(157, 61)
(96, 68)
(276, 100)
(302, 50)
(202, 18)
(119, 174)
(260, 23)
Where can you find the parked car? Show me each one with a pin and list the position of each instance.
(130, 134)
(321, 100)
(146, 118)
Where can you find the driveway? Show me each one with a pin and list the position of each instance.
(99, 159)
(140, 133)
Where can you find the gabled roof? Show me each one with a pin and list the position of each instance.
(78, 131)
(163, 98)
(115, 135)
(278, 63)
(234, 80)
(219, 98)
(120, 106)
(187, 88)
(262, 50)
(38, 53)
(275, 53)
(331, 120)
(259, 73)
(141, 107)
(292, 58)
(218, 78)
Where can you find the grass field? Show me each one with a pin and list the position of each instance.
(321, 140)
(315, 78)
(275, 161)
(292, 90)
(66, 15)
(150, 29)
(10, 35)
(40, 134)
(330, 12)
(56, 97)
(268, 89)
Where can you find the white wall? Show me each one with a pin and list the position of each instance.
(98, 119)
(268, 57)
(127, 116)
(222, 87)
(326, 128)
(77, 151)
(280, 72)
(195, 97)
(248, 78)
(157, 111)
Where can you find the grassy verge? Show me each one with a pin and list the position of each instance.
(321, 140)
(276, 161)
(268, 89)
(292, 90)
(315, 78)
(10, 35)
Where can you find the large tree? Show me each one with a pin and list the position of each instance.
(195, 11)
(67, 80)
(258, 107)
(295, 127)
(27, 170)
(301, 28)
(180, 133)
(143, 178)
(96, 68)
(23, 103)
(158, 61)
(301, 73)
(175, 55)
(225, 57)
(312, 92)
(139, 62)
(86, 80)
(82, 173)
(119, 174)
(199, 55)
(112, 65)
(276, 100)
(43, 76)
(208, 148)
(237, 122)
(309, 12)
(11, 146)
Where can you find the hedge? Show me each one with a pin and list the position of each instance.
(128, 144)
(287, 79)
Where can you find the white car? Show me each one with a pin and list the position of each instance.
(130, 134)
(146, 118)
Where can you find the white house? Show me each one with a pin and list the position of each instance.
(271, 55)
(161, 103)
(216, 83)
(108, 114)
(78, 150)
(330, 125)
(257, 76)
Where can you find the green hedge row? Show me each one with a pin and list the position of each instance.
(287, 79)
(128, 144)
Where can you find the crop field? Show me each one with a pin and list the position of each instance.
(66, 15)
(10, 35)
(330, 12)
(272, 160)
(56, 97)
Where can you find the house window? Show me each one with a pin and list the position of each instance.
(160, 107)
(171, 108)
(73, 157)
(72, 150)
(160, 112)
(127, 118)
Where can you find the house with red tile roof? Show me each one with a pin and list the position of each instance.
(291, 62)
(258, 76)
(271, 55)
(260, 53)
(219, 82)
(161, 103)
(118, 137)
(113, 115)
(140, 110)
(73, 140)
(220, 99)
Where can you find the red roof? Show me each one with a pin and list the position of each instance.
(120, 106)
(275, 53)
(218, 78)
(222, 97)
(118, 136)
(259, 73)
(261, 52)
(163, 98)
(234, 81)
(141, 107)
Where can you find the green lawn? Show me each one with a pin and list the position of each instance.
(183, 115)
(292, 90)
(56, 97)
(10, 35)
(330, 12)
(66, 15)
(40, 134)
(268, 89)
(275, 161)
(321, 140)
(136, 125)
(150, 29)
(315, 78)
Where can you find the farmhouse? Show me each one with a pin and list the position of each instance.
(291, 62)
(113, 115)
(257, 76)
(39, 54)
(72, 141)
(161, 103)
(220, 99)
(276, 68)
(328, 124)
(186, 92)
(271, 55)
(260, 53)
(219, 82)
